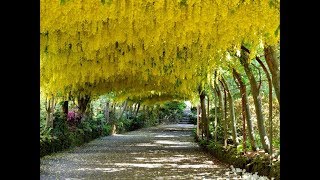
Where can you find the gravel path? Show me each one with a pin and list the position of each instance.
(162, 152)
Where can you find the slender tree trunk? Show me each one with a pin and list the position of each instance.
(48, 119)
(208, 116)
(274, 67)
(144, 110)
(215, 117)
(244, 135)
(213, 85)
(114, 120)
(257, 102)
(65, 108)
(225, 124)
(130, 110)
(225, 119)
(114, 110)
(245, 109)
(48, 111)
(137, 110)
(198, 121)
(49, 106)
(134, 109)
(107, 112)
(123, 109)
(244, 145)
(270, 101)
(232, 115)
(204, 118)
(222, 114)
(83, 103)
(208, 109)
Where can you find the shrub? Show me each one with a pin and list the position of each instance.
(232, 155)
(137, 123)
(73, 119)
(106, 129)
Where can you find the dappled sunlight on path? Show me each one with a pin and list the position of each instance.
(162, 152)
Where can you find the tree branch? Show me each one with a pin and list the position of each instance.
(260, 82)
(245, 49)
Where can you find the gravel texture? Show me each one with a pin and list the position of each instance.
(161, 152)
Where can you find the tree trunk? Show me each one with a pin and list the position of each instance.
(274, 67)
(148, 112)
(134, 106)
(208, 109)
(215, 117)
(204, 118)
(222, 114)
(244, 135)
(215, 113)
(48, 111)
(232, 115)
(137, 110)
(49, 106)
(270, 101)
(113, 119)
(114, 111)
(65, 108)
(107, 112)
(130, 110)
(83, 103)
(225, 119)
(198, 121)
(48, 120)
(225, 124)
(257, 102)
(245, 108)
(123, 109)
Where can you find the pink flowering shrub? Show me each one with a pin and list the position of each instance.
(73, 119)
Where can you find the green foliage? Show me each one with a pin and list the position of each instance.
(106, 129)
(42, 113)
(140, 121)
(265, 111)
(183, 3)
(45, 135)
(234, 156)
(151, 118)
(136, 123)
(61, 130)
(239, 148)
(261, 164)
(85, 126)
(220, 134)
(62, 136)
(203, 142)
(100, 117)
(193, 118)
(171, 111)
(121, 123)
(275, 170)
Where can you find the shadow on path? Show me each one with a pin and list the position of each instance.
(162, 152)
